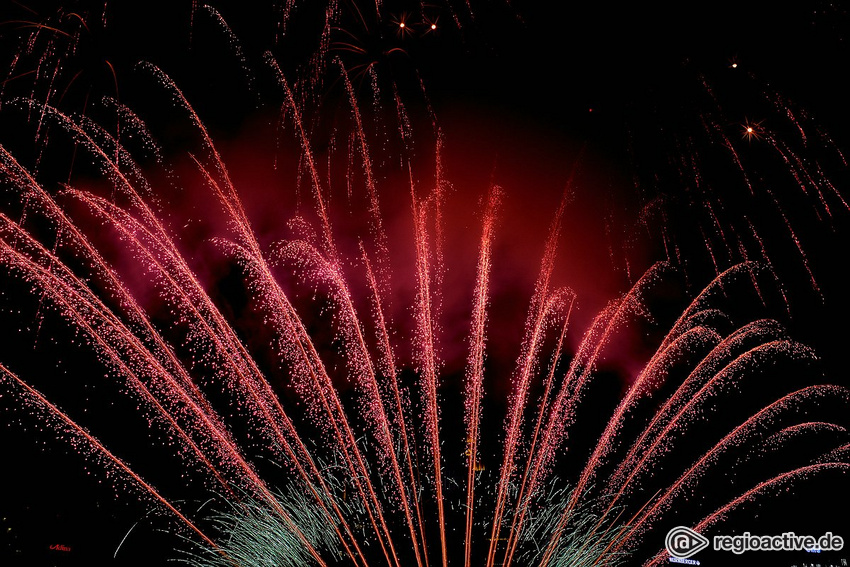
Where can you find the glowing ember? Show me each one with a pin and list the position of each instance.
(320, 341)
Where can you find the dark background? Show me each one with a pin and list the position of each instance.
(521, 89)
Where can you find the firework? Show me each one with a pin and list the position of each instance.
(319, 343)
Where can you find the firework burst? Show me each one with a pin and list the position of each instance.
(299, 368)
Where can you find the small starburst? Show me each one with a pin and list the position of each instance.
(429, 25)
(402, 24)
(752, 130)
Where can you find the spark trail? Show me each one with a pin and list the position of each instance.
(372, 399)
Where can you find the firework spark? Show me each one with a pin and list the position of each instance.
(353, 394)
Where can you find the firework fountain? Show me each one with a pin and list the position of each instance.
(324, 351)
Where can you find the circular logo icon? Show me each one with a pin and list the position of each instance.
(682, 542)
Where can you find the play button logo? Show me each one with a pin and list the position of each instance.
(682, 542)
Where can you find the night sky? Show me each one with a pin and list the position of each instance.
(632, 109)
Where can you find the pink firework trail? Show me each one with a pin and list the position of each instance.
(400, 484)
(475, 367)
(427, 357)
